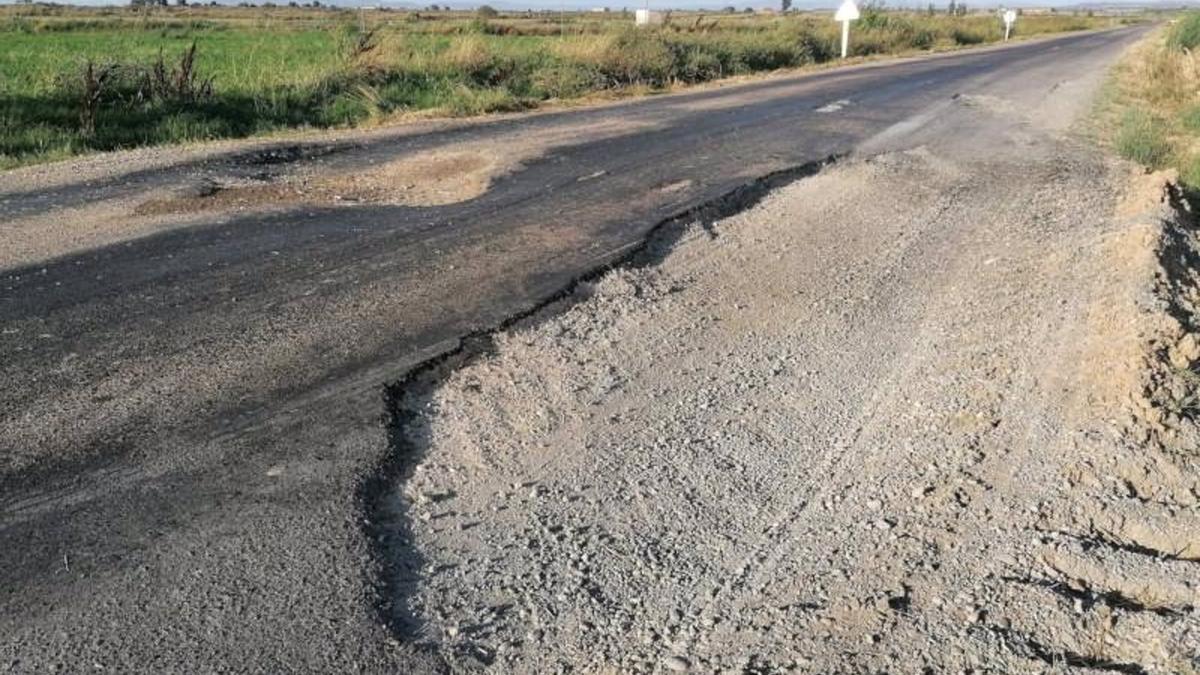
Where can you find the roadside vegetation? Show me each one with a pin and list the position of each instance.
(74, 80)
(1155, 103)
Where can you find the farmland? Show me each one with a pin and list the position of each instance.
(74, 80)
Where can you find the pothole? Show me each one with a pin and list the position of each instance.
(427, 179)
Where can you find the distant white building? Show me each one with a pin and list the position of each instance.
(644, 17)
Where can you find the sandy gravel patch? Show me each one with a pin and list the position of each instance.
(427, 179)
(862, 427)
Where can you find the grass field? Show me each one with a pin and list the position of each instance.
(74, 80)
(1156, 102)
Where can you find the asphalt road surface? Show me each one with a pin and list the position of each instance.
(193, 424)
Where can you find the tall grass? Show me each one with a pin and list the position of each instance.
(1185, 35)
(1157, 102)
(1142, 138)
(283, 67)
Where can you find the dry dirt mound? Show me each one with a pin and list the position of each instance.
(886, 421)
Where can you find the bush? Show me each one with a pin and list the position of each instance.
(486, 12)
(699, 65)
(474, 59)
(631, 57)
(873, 17)
(758, 53)
(965, 37)
(925, 39)
(1140, 137)
(468, 101)
(562, 81)
(813, 49)
(1185, 35)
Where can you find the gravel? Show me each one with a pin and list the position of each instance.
(834, 433)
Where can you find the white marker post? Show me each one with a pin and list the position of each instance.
(1010, 16)
(846, 13)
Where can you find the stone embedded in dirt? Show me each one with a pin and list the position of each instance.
(677, 664)
(1186, 351)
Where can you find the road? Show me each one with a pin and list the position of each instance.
(193, 425)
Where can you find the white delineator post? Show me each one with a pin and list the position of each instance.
(1010, 16)
(846, 13)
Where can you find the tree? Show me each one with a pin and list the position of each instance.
(486, 12)
(730, 9)
(931, 11)
(785, 5)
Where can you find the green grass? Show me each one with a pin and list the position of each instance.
(1190, 118)
(1155, 106)
(1142, 137)
(265, 81)
(283, 68)
(1186, 33)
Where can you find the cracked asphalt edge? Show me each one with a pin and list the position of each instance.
(397, 461)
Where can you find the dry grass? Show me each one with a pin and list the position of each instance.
(1155, 108)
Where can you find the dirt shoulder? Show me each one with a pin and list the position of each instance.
(913, 412)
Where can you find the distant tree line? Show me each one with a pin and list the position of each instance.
(213, 3)
(953, 9)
